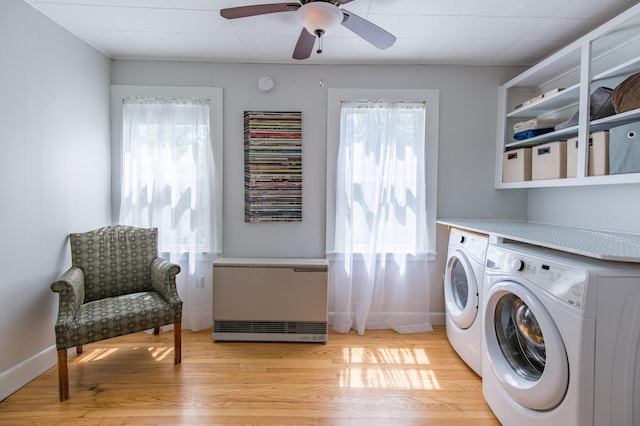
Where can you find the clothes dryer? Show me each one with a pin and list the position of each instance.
(555, 325)
(462, 293)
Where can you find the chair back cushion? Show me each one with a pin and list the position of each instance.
(116, 260)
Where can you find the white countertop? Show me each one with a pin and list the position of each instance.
(606, 245)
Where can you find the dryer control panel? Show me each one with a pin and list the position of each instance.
(565, 283)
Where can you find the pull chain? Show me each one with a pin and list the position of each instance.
(319, 34)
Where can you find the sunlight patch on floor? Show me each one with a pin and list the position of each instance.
(388, 378)
(377, 369)
(159, 354)
(386, 356)
(97, 354)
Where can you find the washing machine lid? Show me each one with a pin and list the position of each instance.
(524, 347)
(460, 290)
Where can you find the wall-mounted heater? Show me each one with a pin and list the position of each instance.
(266, 299)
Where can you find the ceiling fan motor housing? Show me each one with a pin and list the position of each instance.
(319, 17)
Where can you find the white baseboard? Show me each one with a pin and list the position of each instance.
(438, 318)
(19, 375)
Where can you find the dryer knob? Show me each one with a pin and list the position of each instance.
(461, 239)
(517, 265)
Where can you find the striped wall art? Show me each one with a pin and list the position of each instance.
(272, 166)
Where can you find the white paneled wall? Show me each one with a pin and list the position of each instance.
(55, 174)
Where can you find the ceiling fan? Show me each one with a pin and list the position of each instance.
(318, 18)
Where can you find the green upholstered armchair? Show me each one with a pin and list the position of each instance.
(116, 285)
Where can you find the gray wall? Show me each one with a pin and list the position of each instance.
(55, 173)
(610, 207)
(468, 118)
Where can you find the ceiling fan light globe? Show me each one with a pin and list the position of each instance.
(319, 15)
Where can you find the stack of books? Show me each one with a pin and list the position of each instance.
(538, 98)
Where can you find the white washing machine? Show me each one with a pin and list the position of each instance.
(462, 294)
(561, 335)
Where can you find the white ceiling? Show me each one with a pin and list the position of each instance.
(482, 32)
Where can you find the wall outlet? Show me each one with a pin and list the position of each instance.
(200, 282)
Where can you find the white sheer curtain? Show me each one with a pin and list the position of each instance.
(168, 183)
(378, 274)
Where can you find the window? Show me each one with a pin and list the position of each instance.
(380, 177)
(416, 119)
(167, 173)
(167, 177)
(169, 144)
(381, 196)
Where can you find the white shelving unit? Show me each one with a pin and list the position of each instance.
(604, 57)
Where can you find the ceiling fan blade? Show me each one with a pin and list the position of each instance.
(258, 9)
(304, 46)
(367, 30)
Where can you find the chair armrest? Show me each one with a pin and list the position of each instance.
(163, 280)
(70, 288)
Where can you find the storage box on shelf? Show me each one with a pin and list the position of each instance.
(598, 155)
(602, 58)
(624, 149)
(549, 161)
(517, 165)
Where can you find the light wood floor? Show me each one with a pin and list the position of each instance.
(382, 378)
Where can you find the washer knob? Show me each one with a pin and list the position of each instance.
(517, 265)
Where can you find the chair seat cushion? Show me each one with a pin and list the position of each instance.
(116, 316)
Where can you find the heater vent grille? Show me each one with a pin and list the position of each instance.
(270, 327)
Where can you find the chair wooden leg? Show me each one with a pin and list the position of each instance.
(79, 349)
(156, 330)
(177, 343)
(63, 375)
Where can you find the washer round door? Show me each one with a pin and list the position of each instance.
(524, 347)
(460, 290)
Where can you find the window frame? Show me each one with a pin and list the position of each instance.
(431, 97)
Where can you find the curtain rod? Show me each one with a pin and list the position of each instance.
(164, 100)
(382, 100)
